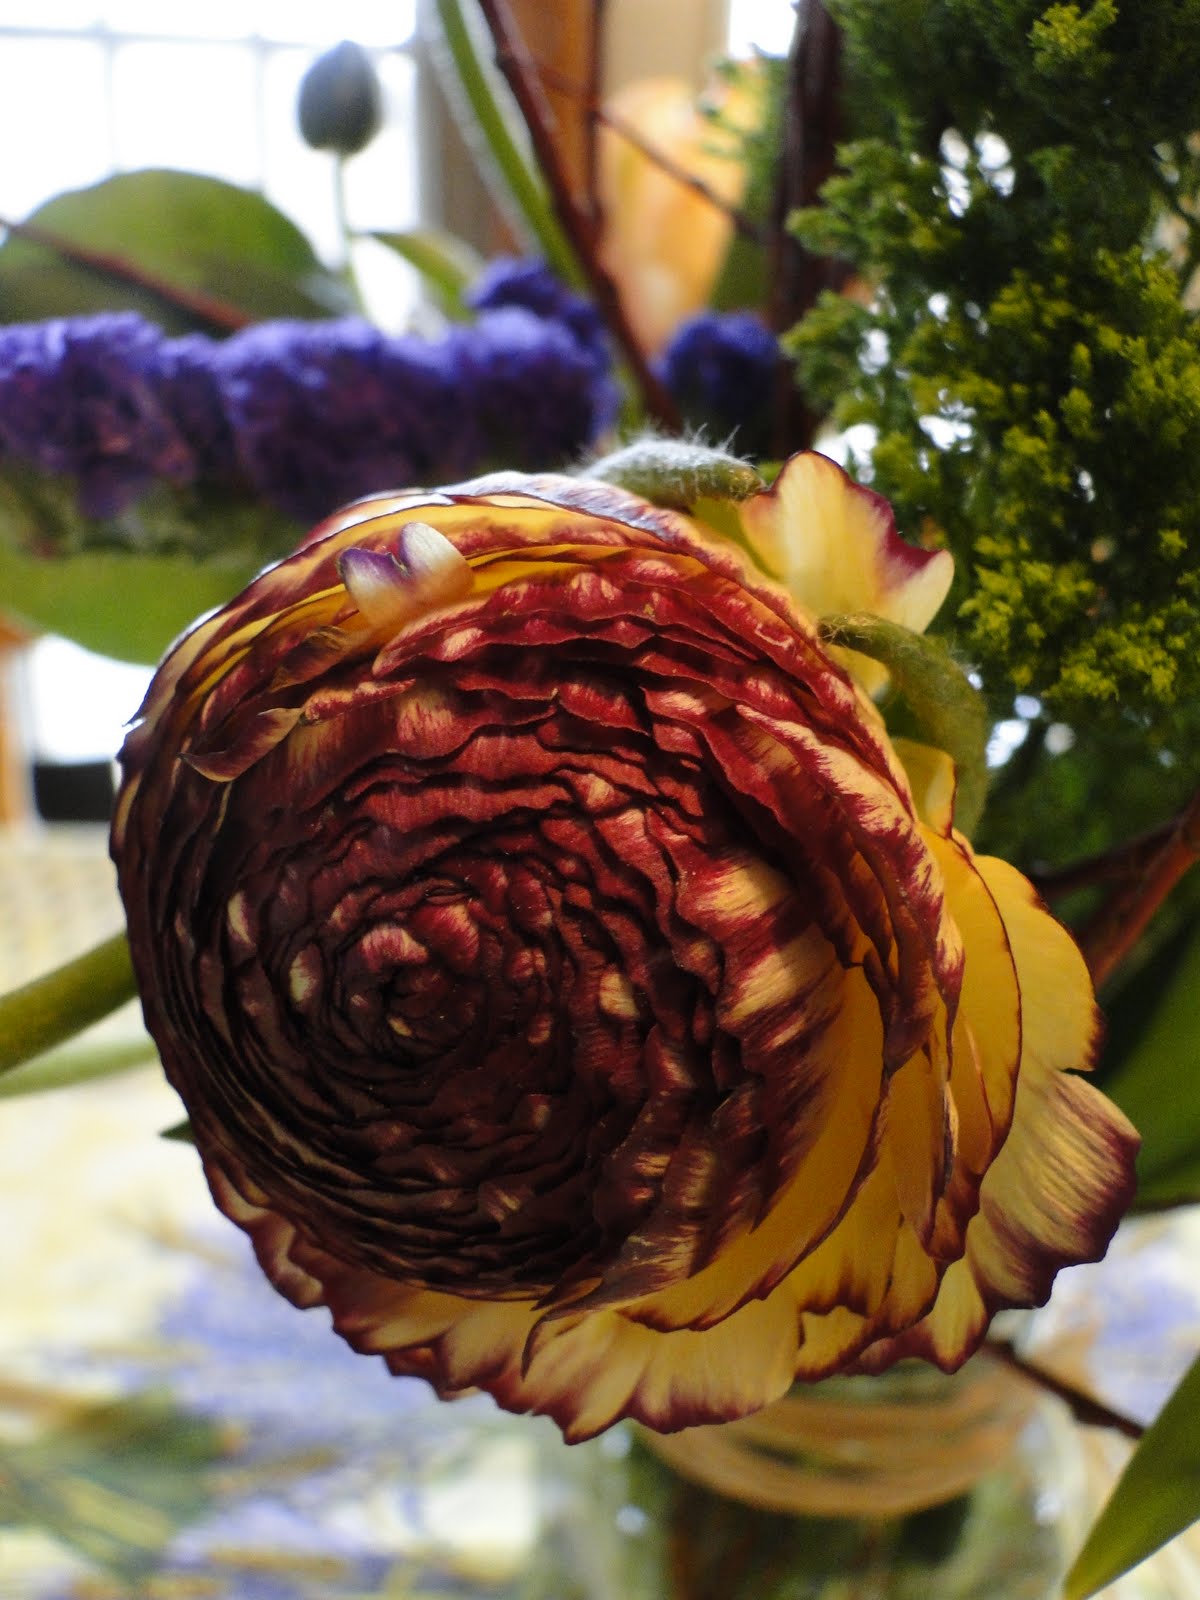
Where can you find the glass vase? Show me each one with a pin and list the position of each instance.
(910, 1486)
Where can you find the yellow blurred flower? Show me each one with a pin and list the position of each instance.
(662, 241)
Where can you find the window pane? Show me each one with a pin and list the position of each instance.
(318, 22)
(304, 21)
(187, 105)
(50, 15)
(50, 90)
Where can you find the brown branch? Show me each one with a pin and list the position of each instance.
(519, 72)
(1120, 863)
(666, 164)
(219, 315)
(591, 99)
(1085, 1407)
(1121, 921)
(811, 129)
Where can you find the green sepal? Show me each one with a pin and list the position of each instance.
(948, 711)
(1156, 1497)
(179, 1133)
(676, 474)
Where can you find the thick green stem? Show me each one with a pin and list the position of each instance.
(54, 1008)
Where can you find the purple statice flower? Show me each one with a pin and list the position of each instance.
(188, 375)
(323, 412)
(79, 397)
(537, 396)
(721, 369)
(514, 281)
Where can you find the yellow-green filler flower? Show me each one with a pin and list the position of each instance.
(569, 982)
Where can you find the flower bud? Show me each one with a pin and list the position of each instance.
(340, 106)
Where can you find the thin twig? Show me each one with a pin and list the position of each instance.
(220, 315)
(1122, 920)
(1085, 1407)
(666, 164)
(519, 71)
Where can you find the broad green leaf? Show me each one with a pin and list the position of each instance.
(126, 606)
(448, 263)
(126, 586)
(199, 233)
(117, 1483)
(1155, 1025)
(1156, 1497)
(949, 711)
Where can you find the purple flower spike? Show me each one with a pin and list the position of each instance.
(81, 397)
(511, 281)
(326, 412)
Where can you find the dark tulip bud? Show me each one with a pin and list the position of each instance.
(340, 106)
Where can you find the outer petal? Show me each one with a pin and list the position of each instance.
(1054, 1194)
(834, 545)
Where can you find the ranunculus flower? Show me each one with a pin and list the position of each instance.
(567, 983)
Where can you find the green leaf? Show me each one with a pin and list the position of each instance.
(130, 607)
(448, 263)
(1156, 1081)
(117, 1482)
(126, 586)
(949, 711)
(498, 129)
(1156, 1497)
(201, 234)
(674, 473)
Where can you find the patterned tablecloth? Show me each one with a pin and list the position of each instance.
(171, 1429)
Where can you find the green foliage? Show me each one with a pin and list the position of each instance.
(448, 264)
(196, 233)
(127, 585)
(1152, 1068)
(1157, 1496)
(1020, 194)
(117, 1482)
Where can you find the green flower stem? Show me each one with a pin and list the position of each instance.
(526, 188)
(54, 1008)
(74, 1064)
(346, 269)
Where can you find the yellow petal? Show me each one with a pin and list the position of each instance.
(834, 545)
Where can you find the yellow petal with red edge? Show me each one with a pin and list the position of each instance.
(834, 546)
(1064, 1176)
